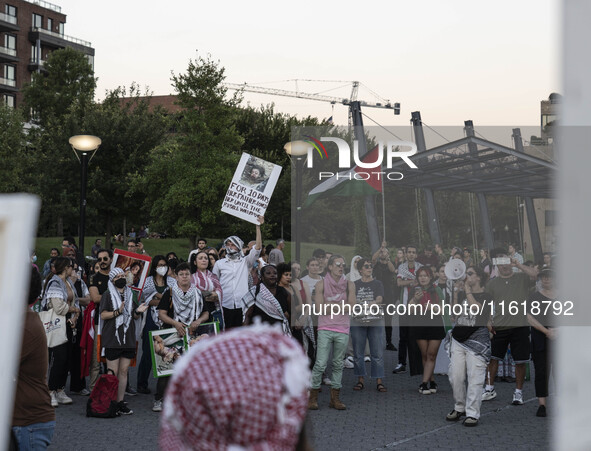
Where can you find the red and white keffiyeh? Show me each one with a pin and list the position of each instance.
(261, 406)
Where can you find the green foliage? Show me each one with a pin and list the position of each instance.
(12, 150)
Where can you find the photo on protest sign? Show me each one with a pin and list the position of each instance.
(203, 331)
(251, 189)
(136, 267)
(166, 346)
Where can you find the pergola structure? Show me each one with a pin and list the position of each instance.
(475, 165)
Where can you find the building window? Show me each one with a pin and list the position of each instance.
(50, 24)
(9, 72)
(37, 21)
(10, 41)
(10, 10)
(9, 100)
(61, 31)
(90, 60)
(34, 57)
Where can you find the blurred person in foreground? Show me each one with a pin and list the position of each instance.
(203, 411)
(33, 417)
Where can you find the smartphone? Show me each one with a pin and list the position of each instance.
(502, 261)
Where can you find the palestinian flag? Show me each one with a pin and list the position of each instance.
(345, 184)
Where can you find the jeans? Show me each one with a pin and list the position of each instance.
(464, 362)
(35, 436)
(338, 341)
(145, 366)
(375, 333)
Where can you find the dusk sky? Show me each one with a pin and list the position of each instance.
(453, 60)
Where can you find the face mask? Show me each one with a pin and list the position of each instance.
(120, 283)
(162, 270)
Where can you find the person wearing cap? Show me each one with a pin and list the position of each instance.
(509, 288)
(262, 406)
(276, 255)
(232, 272)
(118, 315)
(542, 336)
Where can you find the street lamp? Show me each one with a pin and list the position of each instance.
(297, 150)
(83, 145)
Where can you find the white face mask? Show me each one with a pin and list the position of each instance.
(162, 270)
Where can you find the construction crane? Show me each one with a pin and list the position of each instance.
(319, 97)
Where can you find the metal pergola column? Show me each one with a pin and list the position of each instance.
(432, 219)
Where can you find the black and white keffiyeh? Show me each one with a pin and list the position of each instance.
(56, 288)
(268, 303)
(150, 291)
(116, 299)
(187, 306)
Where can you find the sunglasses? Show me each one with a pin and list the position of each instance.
(339, 264)
(103, 259)
(367, 266)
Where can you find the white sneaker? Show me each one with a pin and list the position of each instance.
(83, 392)
(326, 381)
(367, 358)
(62, 398)
(54, 402)
(517, 398)
(157, 406)
(487, 395)
(348, 364)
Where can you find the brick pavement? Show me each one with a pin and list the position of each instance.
(400, 419)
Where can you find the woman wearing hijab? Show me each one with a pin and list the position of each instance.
(209, 284)
(268, 301)
(354, 274)
(60, 297)
(118, 317)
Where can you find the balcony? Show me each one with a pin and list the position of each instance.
(59, 41)
(8, 55)
(7, 85)
(36, 64)
(8, 23)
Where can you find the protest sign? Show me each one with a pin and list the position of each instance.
(252, 186)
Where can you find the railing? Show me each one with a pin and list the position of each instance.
(62, 36)
(8, 18)
(37, 61)
(45, 5)
(7, 51)
(7, 82)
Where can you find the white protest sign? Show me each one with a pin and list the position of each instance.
(252, 186)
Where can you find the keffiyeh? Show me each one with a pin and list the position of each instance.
(124, 319)
(265, 300)
(187, 306)
(262, 408)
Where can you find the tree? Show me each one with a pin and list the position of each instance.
(197, 165)
(12, 145)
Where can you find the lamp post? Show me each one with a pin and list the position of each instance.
(83, 145)
(297, 150)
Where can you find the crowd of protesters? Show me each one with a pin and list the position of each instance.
(241, 285)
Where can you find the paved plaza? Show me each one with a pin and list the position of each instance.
(401, 419)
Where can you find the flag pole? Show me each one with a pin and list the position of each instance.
(383, 208)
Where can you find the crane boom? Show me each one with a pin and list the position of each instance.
(301, 95)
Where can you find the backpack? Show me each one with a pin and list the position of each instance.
(103, 399)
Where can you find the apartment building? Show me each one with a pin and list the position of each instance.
(29, 31)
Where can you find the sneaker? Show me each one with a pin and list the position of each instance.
(391, 347)
(487, 395)
(123, 409)
(143, 390)
(326, 381)
(471, 422)
(400, 368)
(541, 411)
(454, 415)
(62, 398)
(348, 364)
(517, 398)
(424, 389)
(129, 390)
(433, 387)
(157, 406)
(367, 358)
(83, 392)
(53, 395)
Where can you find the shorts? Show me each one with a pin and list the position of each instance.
(517, 337)
(117, 353)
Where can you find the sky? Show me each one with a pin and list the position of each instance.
(452, 60)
